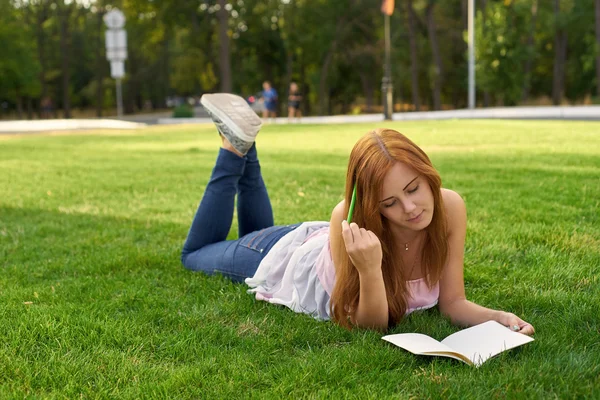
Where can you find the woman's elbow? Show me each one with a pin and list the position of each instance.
(449, 308)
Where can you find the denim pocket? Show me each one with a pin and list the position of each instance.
(261, 240)
(258, 240)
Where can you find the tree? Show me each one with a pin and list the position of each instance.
(64, 11)
(435, 51)
(530, 51)
(414, 57)
(560, 55)
(500, 52)
(99, 57)
(332, 48)
(18, 66)
(597, 47)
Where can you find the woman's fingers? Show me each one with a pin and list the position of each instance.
(351, 232)
(516, 324)
(363, 234)
(355, 231)
(372, 236)
(355, 236)
(347, 233)
(527, 329)
(362, 246)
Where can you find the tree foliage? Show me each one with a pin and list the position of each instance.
(332, 48)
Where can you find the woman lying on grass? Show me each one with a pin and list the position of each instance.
(403, 250)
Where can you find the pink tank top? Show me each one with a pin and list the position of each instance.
(420, 296)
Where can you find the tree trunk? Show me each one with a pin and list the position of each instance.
(486, 94)
(224, 51)
(129, 95)
(165, 62)
(437, 60)
(368, 90)
(304, 87)
(29, 107)
(289, 65)
(99, 66)
(290, 44)
(530, 49)
(464, 16)
(19, 106)
(414, 60)
(41, 17)
(560, 53)
(323, 95)
(65, 57)
(131, 87)
(598, 46)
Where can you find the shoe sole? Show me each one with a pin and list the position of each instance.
(223, 116)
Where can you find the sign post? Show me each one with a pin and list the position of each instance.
(116, 50)
(471, 34)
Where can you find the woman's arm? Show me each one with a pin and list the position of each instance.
(453, 302)
(364, 250)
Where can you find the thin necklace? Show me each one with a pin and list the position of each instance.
(410, 241)
(414, 263)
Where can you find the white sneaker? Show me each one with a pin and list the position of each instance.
(234, 119)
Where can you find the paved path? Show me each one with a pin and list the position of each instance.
(571, 113)
(564, 113)
(41, 125)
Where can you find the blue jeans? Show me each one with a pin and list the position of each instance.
(206, 248)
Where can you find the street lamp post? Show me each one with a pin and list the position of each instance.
(471, 34)
(116, 50)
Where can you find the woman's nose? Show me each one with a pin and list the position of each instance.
(409, 206)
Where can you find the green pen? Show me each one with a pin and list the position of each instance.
(351, 209)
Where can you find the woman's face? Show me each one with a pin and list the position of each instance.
(406, 198)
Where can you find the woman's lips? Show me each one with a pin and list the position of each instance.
(417, 218)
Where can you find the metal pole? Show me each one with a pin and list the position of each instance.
(471, 23)
(119, 99)
(386, 82)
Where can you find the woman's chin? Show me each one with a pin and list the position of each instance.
(421, 222)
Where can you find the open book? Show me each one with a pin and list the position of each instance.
(473, 345)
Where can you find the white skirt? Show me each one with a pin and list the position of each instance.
(288, 273)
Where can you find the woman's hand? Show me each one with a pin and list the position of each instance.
(515, 323)
(363, 247)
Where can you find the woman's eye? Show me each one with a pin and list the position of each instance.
(389, 204)
(414, 190)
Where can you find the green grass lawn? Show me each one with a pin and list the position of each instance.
(95, 303)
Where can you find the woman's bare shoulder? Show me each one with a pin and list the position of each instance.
(456, 212)
(451, 198)
(338, 210)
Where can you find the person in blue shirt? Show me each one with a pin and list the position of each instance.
(269, 95)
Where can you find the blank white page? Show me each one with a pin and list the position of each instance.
(417, 343)
(483, 341)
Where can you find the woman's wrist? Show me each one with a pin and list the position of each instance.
(500, 316)
(370, 274)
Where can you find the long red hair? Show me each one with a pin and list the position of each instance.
(370, 160)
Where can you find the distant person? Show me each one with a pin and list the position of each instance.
(269, 95)
(395, 243)
(294, 100)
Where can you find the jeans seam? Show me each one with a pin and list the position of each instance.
(218, 271)
(249, 245)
